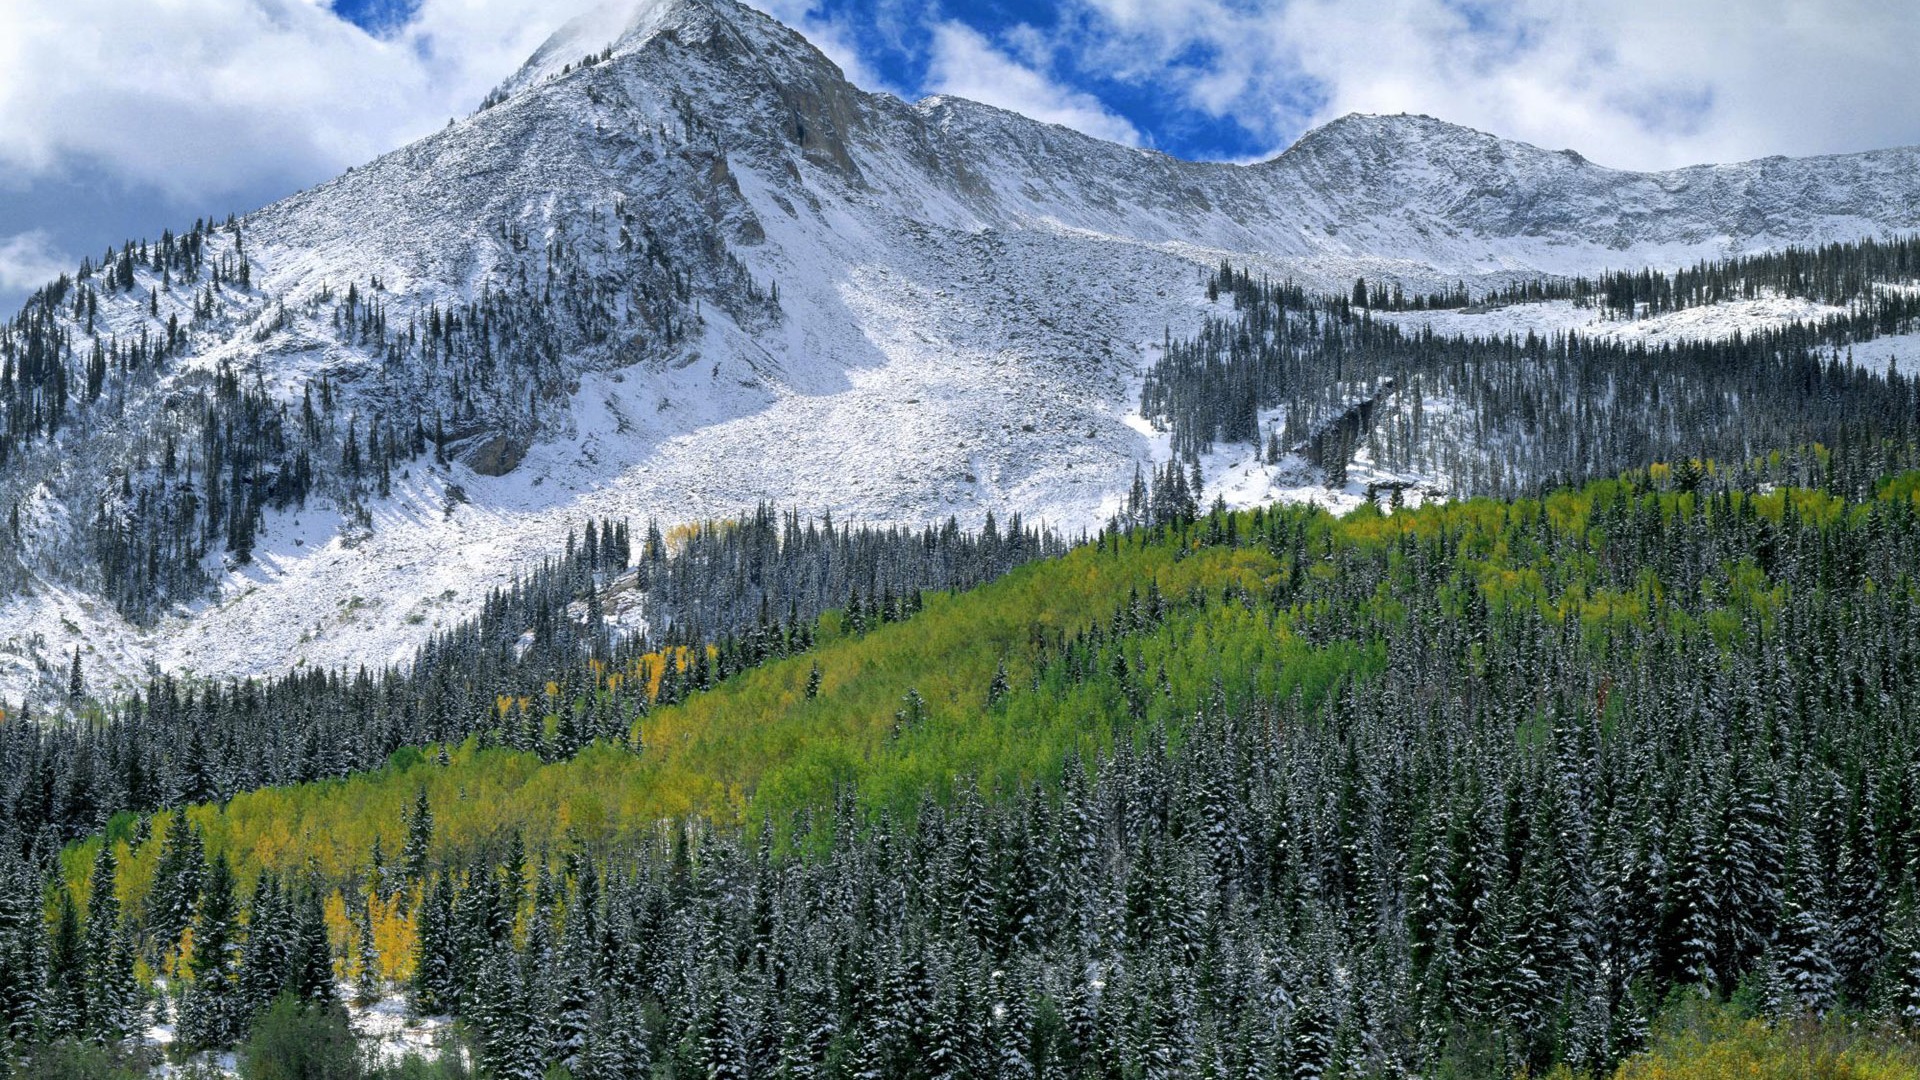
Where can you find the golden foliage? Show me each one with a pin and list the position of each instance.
(392, 936)
(758, 749)
(1717, 1045)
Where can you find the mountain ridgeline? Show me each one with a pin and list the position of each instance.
(679, 235)
(409, 609)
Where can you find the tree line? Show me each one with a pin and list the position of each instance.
(1505, 415)
(1588, 752)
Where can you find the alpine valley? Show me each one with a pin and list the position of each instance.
(698, 568)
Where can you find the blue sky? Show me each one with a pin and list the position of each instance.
(902, 54)
(122, 117)
(896, 45)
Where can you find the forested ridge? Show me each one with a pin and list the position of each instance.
(1581, 743)
(1465, 790)
(1473, 787)
(544, 666)
(1287, 371)
(183, 457)
(1876, 275)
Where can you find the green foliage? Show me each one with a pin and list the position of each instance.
(1565, 755)
(758, 748)
(1084, 661)
(1702, 1040)
(450, 1066)
(294, 1040)
(71, 1060)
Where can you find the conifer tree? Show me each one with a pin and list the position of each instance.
(310, 975)
(723, 1052)
(23, 953)
(66, 1014)
(997, 689)
(366, 964)
(175, 893)
(210, 1014)
(1805, 944)
(1900, 974)
(415, 855)
(434, 988)
(617, 1044)
(572, 1020)
(265, 959)
(110, 986)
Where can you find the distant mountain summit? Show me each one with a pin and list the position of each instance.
(1488, 191)
(679, 265)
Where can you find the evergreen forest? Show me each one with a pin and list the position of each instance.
(1470, 789)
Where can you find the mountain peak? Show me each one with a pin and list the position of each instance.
(622, 27)
(1389, 128)
(1417, 135)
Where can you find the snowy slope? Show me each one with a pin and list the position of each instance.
(1437, 193)
(1715, 322)
(966, 300)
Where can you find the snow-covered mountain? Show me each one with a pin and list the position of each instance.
(695, 268)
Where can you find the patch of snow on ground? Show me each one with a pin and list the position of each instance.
(1903, 350)
(1715, 322)
(387, 1029)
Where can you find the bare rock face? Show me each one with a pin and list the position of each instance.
(496, 456)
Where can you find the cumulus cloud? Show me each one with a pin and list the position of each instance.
(201, 101)
(1633, 83)
(118, 117)
(31, 259)
(200, 98)
(966, 64)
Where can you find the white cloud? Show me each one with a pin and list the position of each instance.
(214, 106)
(200, 99)
(1633, 83)
(187, 107)
(120, 117)
(965, 64)
(29, 260)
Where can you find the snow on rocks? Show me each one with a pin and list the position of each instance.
(966, 301)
